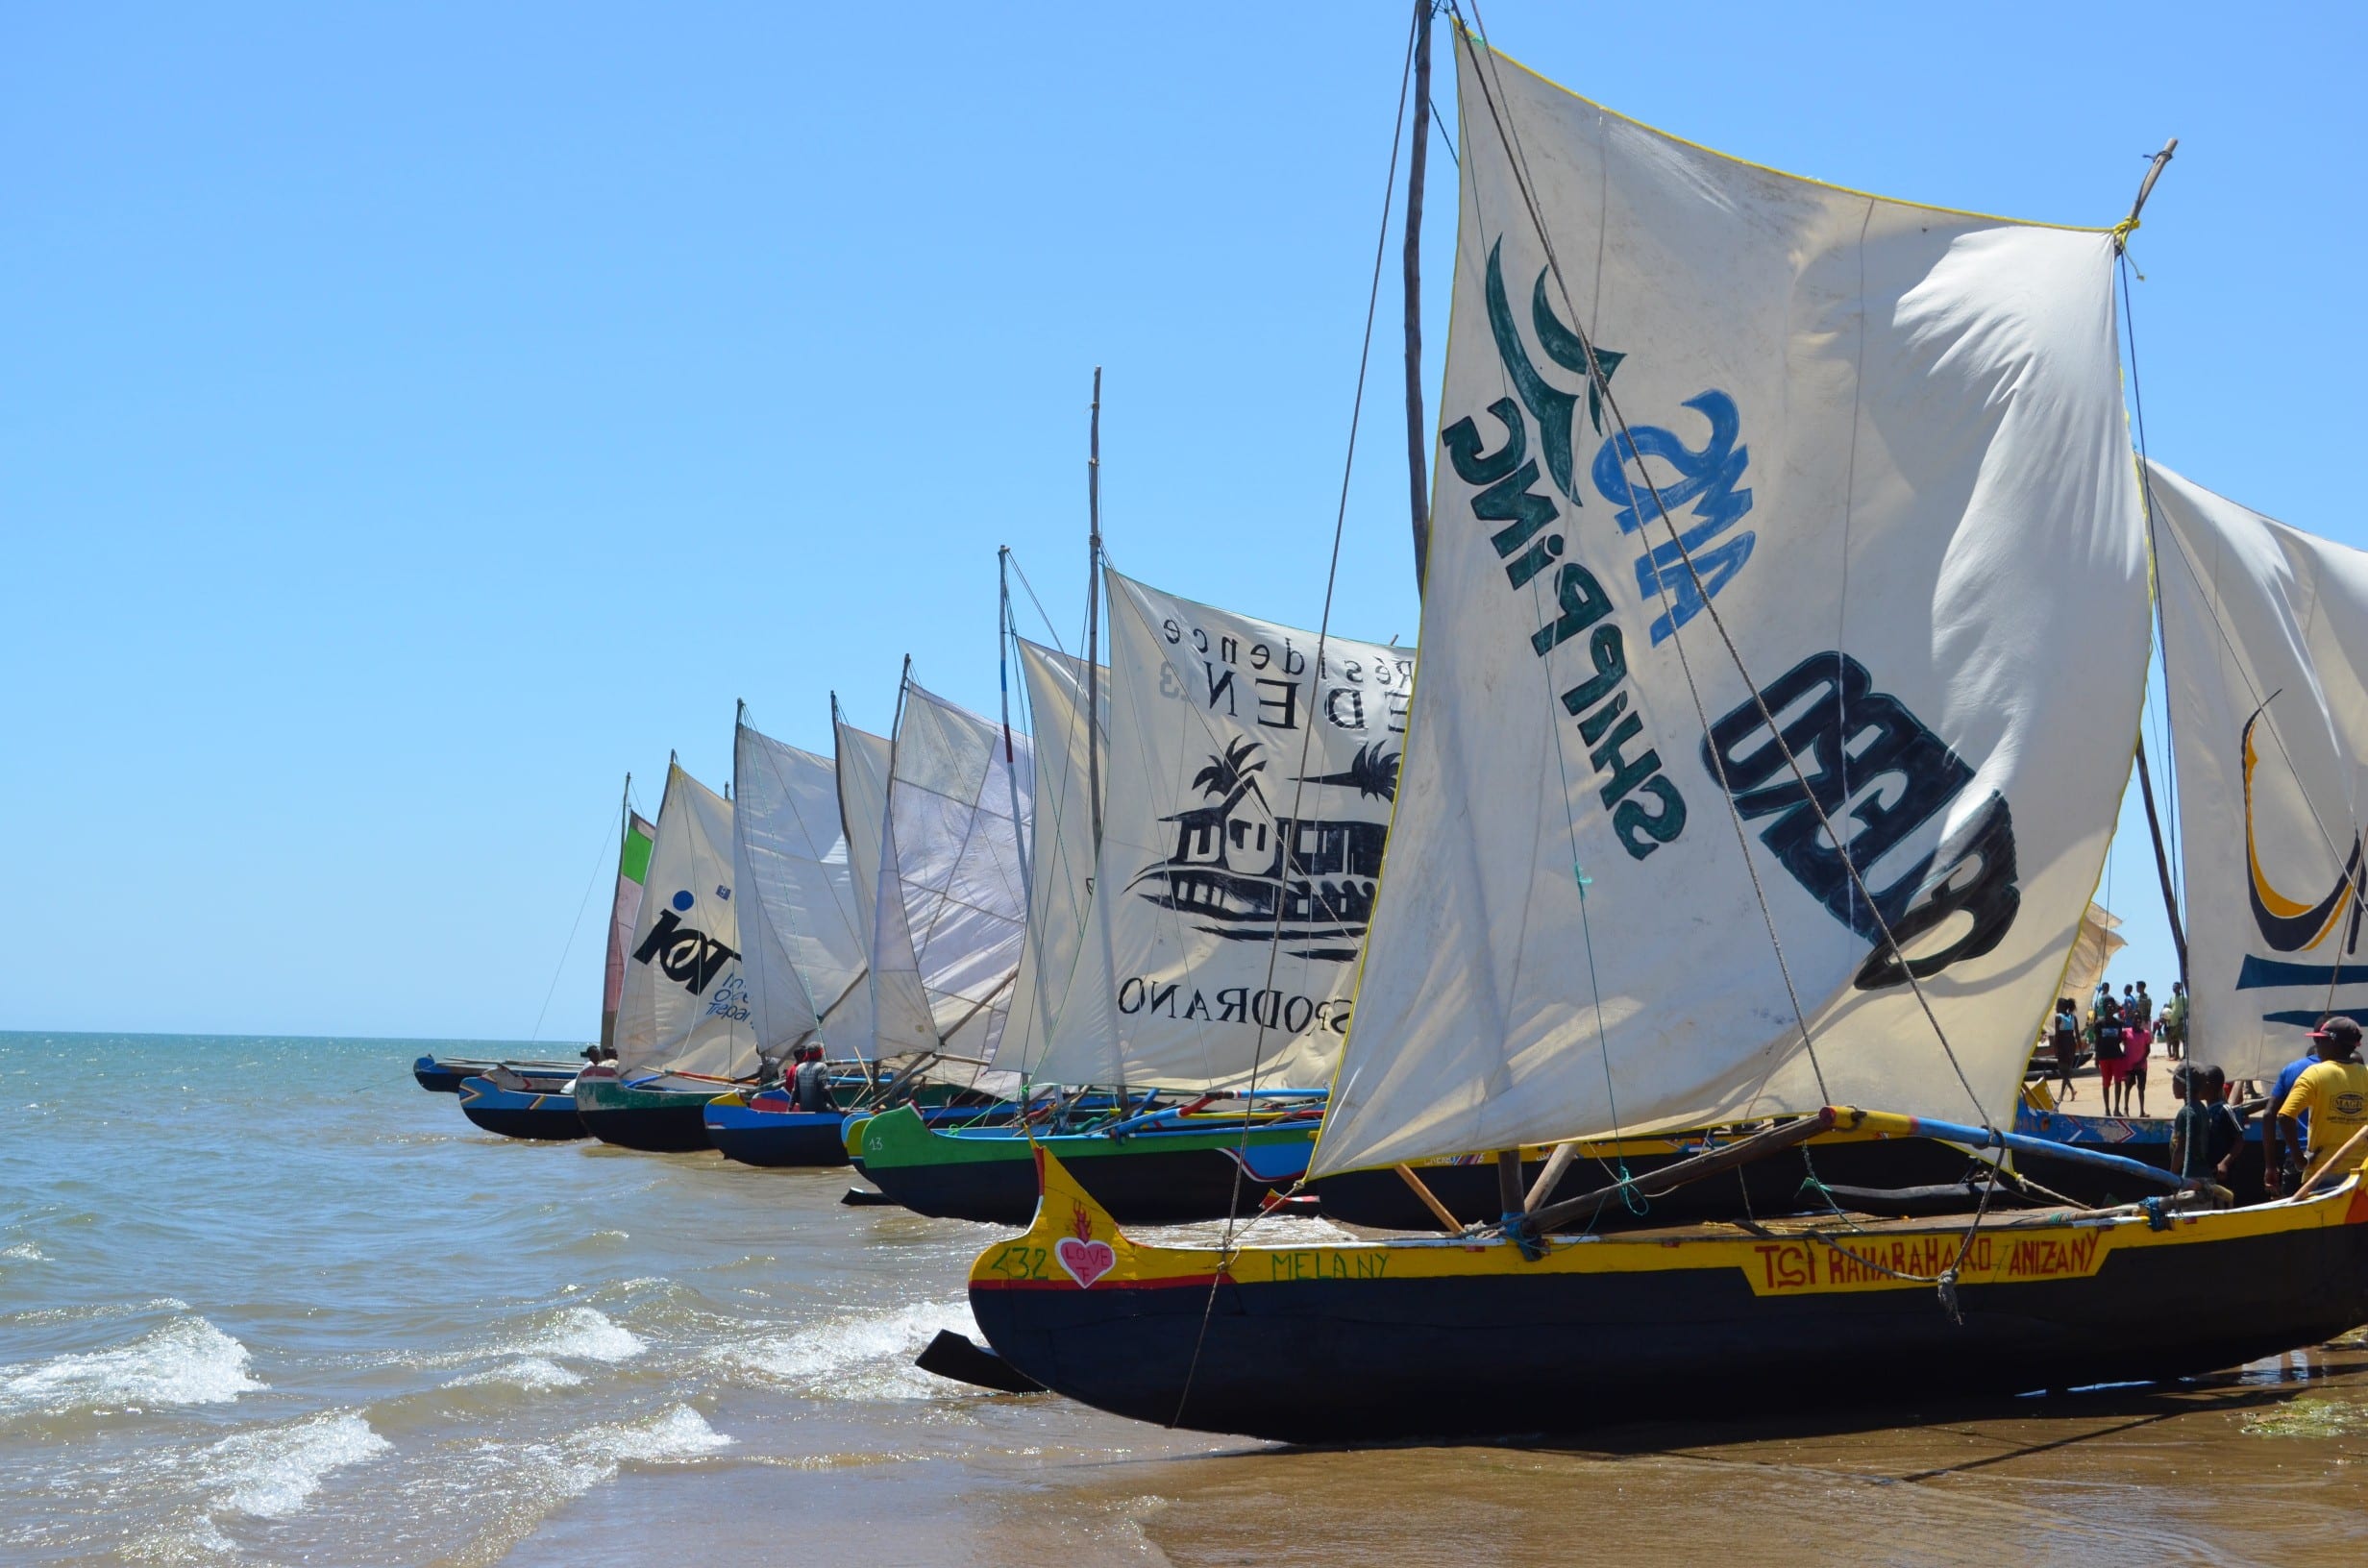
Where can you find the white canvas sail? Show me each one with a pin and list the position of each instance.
(1251, 782)
(805, 954)
(1891, 439)
(951, 912)
(2092, 950)
(624, 908)
(1060, 853)
(863, 813)
(2266, 642)
(686, 1003)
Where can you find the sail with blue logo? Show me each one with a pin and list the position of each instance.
(1843, 470)
(684, 1005)
(2265, 643)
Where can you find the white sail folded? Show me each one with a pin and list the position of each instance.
(1890, 440)
(685, 1006)
(952, 908)
(2265, 643)
(805, 953)
(1060, 861)
(863, 759)
(1251, 782)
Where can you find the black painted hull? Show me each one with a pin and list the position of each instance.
(1373, 1359)
(552, 1124)
(813, 1145)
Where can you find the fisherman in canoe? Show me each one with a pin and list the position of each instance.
(2334, 1092)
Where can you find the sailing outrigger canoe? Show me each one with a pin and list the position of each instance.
(521, 1105)
(445, 1075)
(1160, 1168)
(764, 1127)
(1282, 1342)
(658, 1113)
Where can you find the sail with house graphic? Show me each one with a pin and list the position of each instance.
(1250, 779)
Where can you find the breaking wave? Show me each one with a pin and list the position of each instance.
(272, 1472)
(185, 1361)
(586, 1334)
(534, 1373)
(864, 1355)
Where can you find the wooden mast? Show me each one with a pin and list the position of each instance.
(1417, 445)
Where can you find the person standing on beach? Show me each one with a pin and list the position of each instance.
(2138, 1042)
(2204, 1135)
(2332, 1091)
(2282, 1158)
(2063, 1037)
(2175, 1022)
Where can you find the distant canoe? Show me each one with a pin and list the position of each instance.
(1171, 1173)
(764, 1129)
(517, 1106)
(445, 1075)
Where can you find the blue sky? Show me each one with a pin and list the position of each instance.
(413, 418)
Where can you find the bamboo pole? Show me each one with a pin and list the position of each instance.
(1555, 1216)
(1430, 1200)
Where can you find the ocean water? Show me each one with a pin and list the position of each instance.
(264, 1301)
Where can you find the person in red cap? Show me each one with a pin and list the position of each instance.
(2334, 1092)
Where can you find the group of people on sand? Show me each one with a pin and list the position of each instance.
(2314, 1110)
(2119, 1034)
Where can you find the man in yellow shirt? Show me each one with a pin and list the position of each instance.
(2334, 1093)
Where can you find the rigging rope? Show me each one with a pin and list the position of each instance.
(1340, 524)
(1601, 385)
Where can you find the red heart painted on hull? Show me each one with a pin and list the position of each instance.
(1085, 1261)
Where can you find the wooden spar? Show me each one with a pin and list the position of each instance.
(2146, 189)
(2162, 862)
(1093, 613)
(1556, 1216)
(1439, 1211)
(1557, 1164)
(1509, 1180)
(1417, 453)
(1990, 1138)
(2336, 1170)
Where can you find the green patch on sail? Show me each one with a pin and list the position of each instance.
(634, 865)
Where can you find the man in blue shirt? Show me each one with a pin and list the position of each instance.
(2281, 1157)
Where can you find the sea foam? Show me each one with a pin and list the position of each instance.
(863, 1355)
(185, 1361)
(271, 1472)
(586, 1334)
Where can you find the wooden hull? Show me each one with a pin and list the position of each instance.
(528, 1114)
(1384, 1341)
(2147, 1138)
(1151, 1178)
(761, 1130)
(654, 1121)
(445, 1075)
